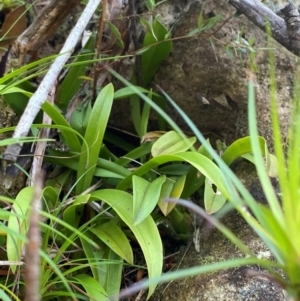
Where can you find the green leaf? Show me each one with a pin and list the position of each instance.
(113, 273)
(115, 31)
(145, 116)
(127, 91)
(51, 196)
(18, 223)
(200, 20)
(194, 177)
(91, 255)
(138, 152)
(211, 22)
(171, 143)
(105, 168)
(239, 148)
(145, 232)
(94, 290)
(71, 215)
(19, 92)
(135, 109)
(145, 197)
(94, 137)
(213, 200)
(111, 234)
(70, 136)
(72, 82)
(172, 188)
(80, 117)
(202, 163)
(152, 59)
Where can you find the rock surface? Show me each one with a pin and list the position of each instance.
(209, 84)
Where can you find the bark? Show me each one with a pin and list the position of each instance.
(42, 28)
(284, 30)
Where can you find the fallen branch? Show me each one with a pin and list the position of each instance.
(39, 97)
(42, 28)
(284, 31)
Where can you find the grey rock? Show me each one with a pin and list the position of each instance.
(208, 84)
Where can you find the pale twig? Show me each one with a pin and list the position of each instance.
(41, 145)
(32, 269)
(39, 97)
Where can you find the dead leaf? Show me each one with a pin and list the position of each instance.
(14, 24)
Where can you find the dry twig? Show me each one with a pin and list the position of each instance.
(284, 31)
(32, 270)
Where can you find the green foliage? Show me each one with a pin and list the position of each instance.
(157, 48)
(145, 196)
(75, 77)
(98, 204)
(205, 24)
(94, 136)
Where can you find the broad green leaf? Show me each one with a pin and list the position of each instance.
(239, 148)
(200, 162)
(80, 117)
(72, 82)
(194, 178)
(50, 196)
(213, 200)
(113, 273)
(145, 116)
(176, 169)
(145, 196)
(71, 215)
(111, 234)
(4, 296)
(171, 143)
(172, 188)
(127, 91)
(105, 168)
(59, 181)
(166, 190)
(94, 137)
(135, 109)
(14, 90)
(211, 22)
(116, 33)
(70, 136)
(145, 232)
(22, 96)
(91, 255)
(94, 290)
(19, 224)
(200, 20)
(138, 152)
(152, 59)
(150, 5)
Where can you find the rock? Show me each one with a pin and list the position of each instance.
(209, 84)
